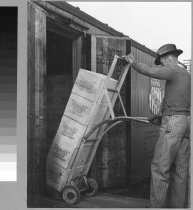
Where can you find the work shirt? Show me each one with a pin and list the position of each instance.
(177, 89)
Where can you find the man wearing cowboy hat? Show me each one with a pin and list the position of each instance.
(170, 164)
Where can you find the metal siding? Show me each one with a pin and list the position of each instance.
(143, 138)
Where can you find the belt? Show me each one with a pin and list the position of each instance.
(175, 108)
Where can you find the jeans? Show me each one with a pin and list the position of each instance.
(170, 164)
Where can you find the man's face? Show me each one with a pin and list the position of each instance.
(163, 60)
(168, 60)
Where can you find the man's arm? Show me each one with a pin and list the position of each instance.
(155, 72)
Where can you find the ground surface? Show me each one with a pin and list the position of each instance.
(136, 196)
(101, 200)
(138, 190)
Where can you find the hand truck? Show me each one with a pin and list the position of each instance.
(76, 181)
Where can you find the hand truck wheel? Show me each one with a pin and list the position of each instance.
(71, 194)
(92, 187)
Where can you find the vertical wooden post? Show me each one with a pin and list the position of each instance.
(77, 62)
(93, 54)
(40, 93)
(30, 104)
(36, 100)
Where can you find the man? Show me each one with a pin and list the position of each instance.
(170, 164)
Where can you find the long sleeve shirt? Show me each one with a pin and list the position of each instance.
(177, 89)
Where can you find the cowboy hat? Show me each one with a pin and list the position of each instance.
(165, 50)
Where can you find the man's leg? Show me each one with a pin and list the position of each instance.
(178, 193)
(171, 133)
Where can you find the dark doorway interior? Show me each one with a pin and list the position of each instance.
(58, 81)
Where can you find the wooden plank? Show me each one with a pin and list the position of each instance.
(40, 71)
(87, 52)
(31, 103)
(109, 104)
(77, 51)
(93, 53)
(36, 99)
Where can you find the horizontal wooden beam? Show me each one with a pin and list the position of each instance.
(62, 5)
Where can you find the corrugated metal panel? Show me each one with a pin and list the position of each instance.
(142, 138)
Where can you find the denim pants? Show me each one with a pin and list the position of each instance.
(170, 164)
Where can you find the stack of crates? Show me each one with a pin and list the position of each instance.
(86, 107)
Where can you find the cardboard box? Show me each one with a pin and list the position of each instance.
(79, 109)
(68, 137)
(88, 84)
(56, 176)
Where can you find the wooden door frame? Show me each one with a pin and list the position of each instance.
(38, 24)
(36, 100)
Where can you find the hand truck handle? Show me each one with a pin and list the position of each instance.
(112, 68)
(122, 75)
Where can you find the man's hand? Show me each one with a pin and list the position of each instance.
(128, 58)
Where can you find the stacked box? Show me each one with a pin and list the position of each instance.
(67, 138)
(56, 175)
(85, 108)
(79, 109)
(89, 85)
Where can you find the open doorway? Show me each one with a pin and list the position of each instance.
(59, 81)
